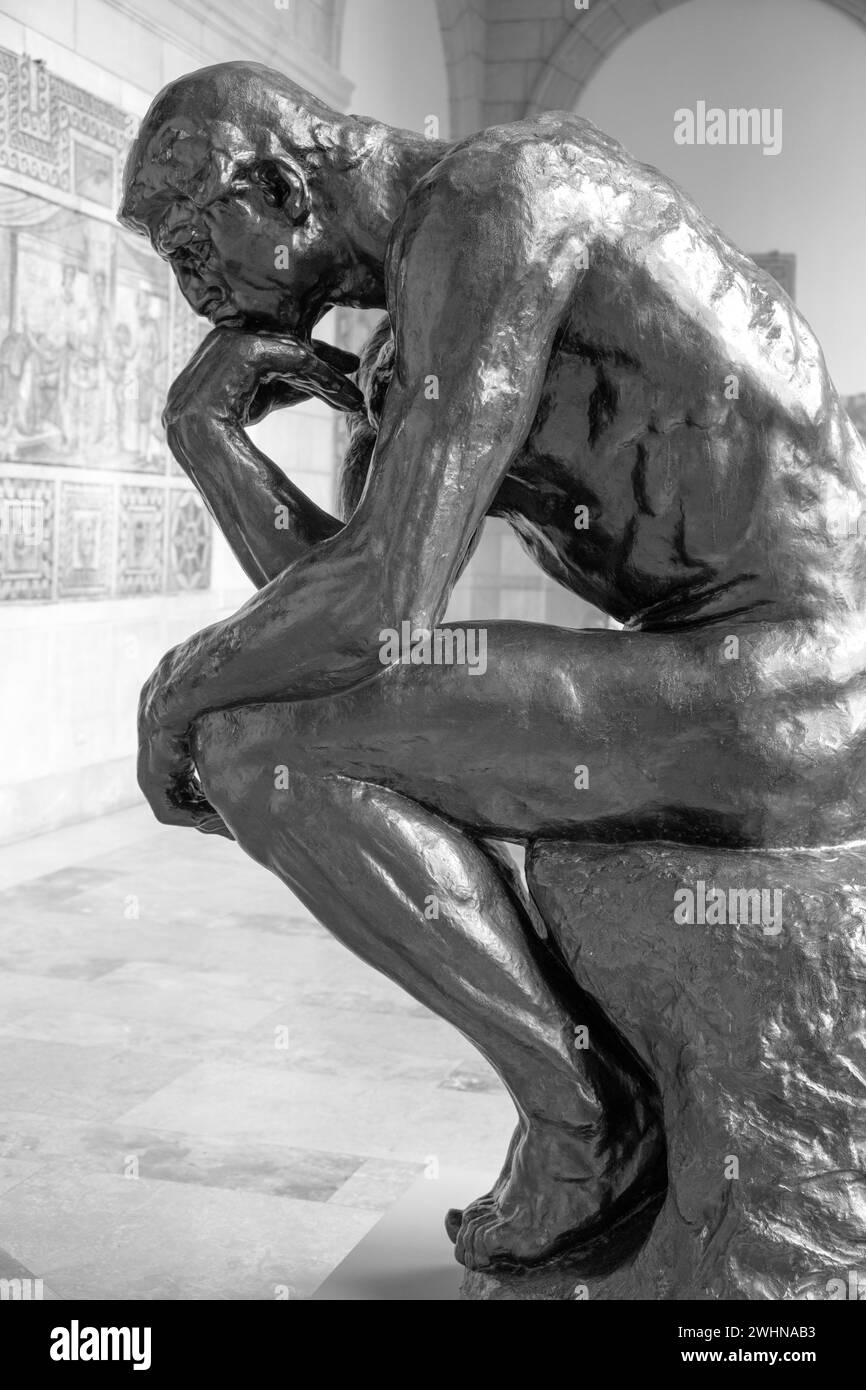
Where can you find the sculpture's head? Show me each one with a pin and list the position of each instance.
(249, 187)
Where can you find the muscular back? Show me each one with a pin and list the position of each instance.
(689, 457)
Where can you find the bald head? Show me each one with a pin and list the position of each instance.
(207, 125)
(268, 204)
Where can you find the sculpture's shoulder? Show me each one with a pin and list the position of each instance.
(524, 184)
(544, 149)
(525, 160)
(556, 177)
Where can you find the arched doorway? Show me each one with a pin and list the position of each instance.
(592, 36)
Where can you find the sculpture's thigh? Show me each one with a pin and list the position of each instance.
(710, 735)
(753, 1025)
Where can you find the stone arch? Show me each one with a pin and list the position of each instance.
(574, 59)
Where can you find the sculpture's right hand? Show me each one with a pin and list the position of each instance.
(238, 377)
(167, 776)
(167, 772)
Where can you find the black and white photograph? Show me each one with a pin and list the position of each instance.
(433, 697)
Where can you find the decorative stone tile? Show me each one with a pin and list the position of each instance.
(93, 174)
(43, 122)
(26, 538)
(141, 540)
(86, 382)
(106, 329)
(92, 331)
(189, 542)
(85, 540)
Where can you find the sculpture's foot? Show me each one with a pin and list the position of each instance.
(454, 1216)
(547, 1205)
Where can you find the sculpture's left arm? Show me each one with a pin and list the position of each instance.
(476, 293)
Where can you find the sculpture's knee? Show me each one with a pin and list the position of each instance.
(215, 753)
(257, 748)
(235, 768)
(248, 771)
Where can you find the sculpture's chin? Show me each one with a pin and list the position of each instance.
(278, 317)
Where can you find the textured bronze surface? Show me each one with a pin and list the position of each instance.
(570, 345)
(757, 1037)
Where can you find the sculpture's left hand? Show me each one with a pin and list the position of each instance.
(166, 770)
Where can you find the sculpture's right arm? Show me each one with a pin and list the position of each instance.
(266, 519)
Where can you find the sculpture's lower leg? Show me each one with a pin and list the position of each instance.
(426, 905)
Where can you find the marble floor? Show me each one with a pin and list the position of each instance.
(202, 1095)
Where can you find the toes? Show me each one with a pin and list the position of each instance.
(479, 1211)
(457, 1219)
(476, 1245)
(488, 1246)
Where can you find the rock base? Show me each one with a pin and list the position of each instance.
(737, 978)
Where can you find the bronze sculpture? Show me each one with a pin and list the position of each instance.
(570, 345)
